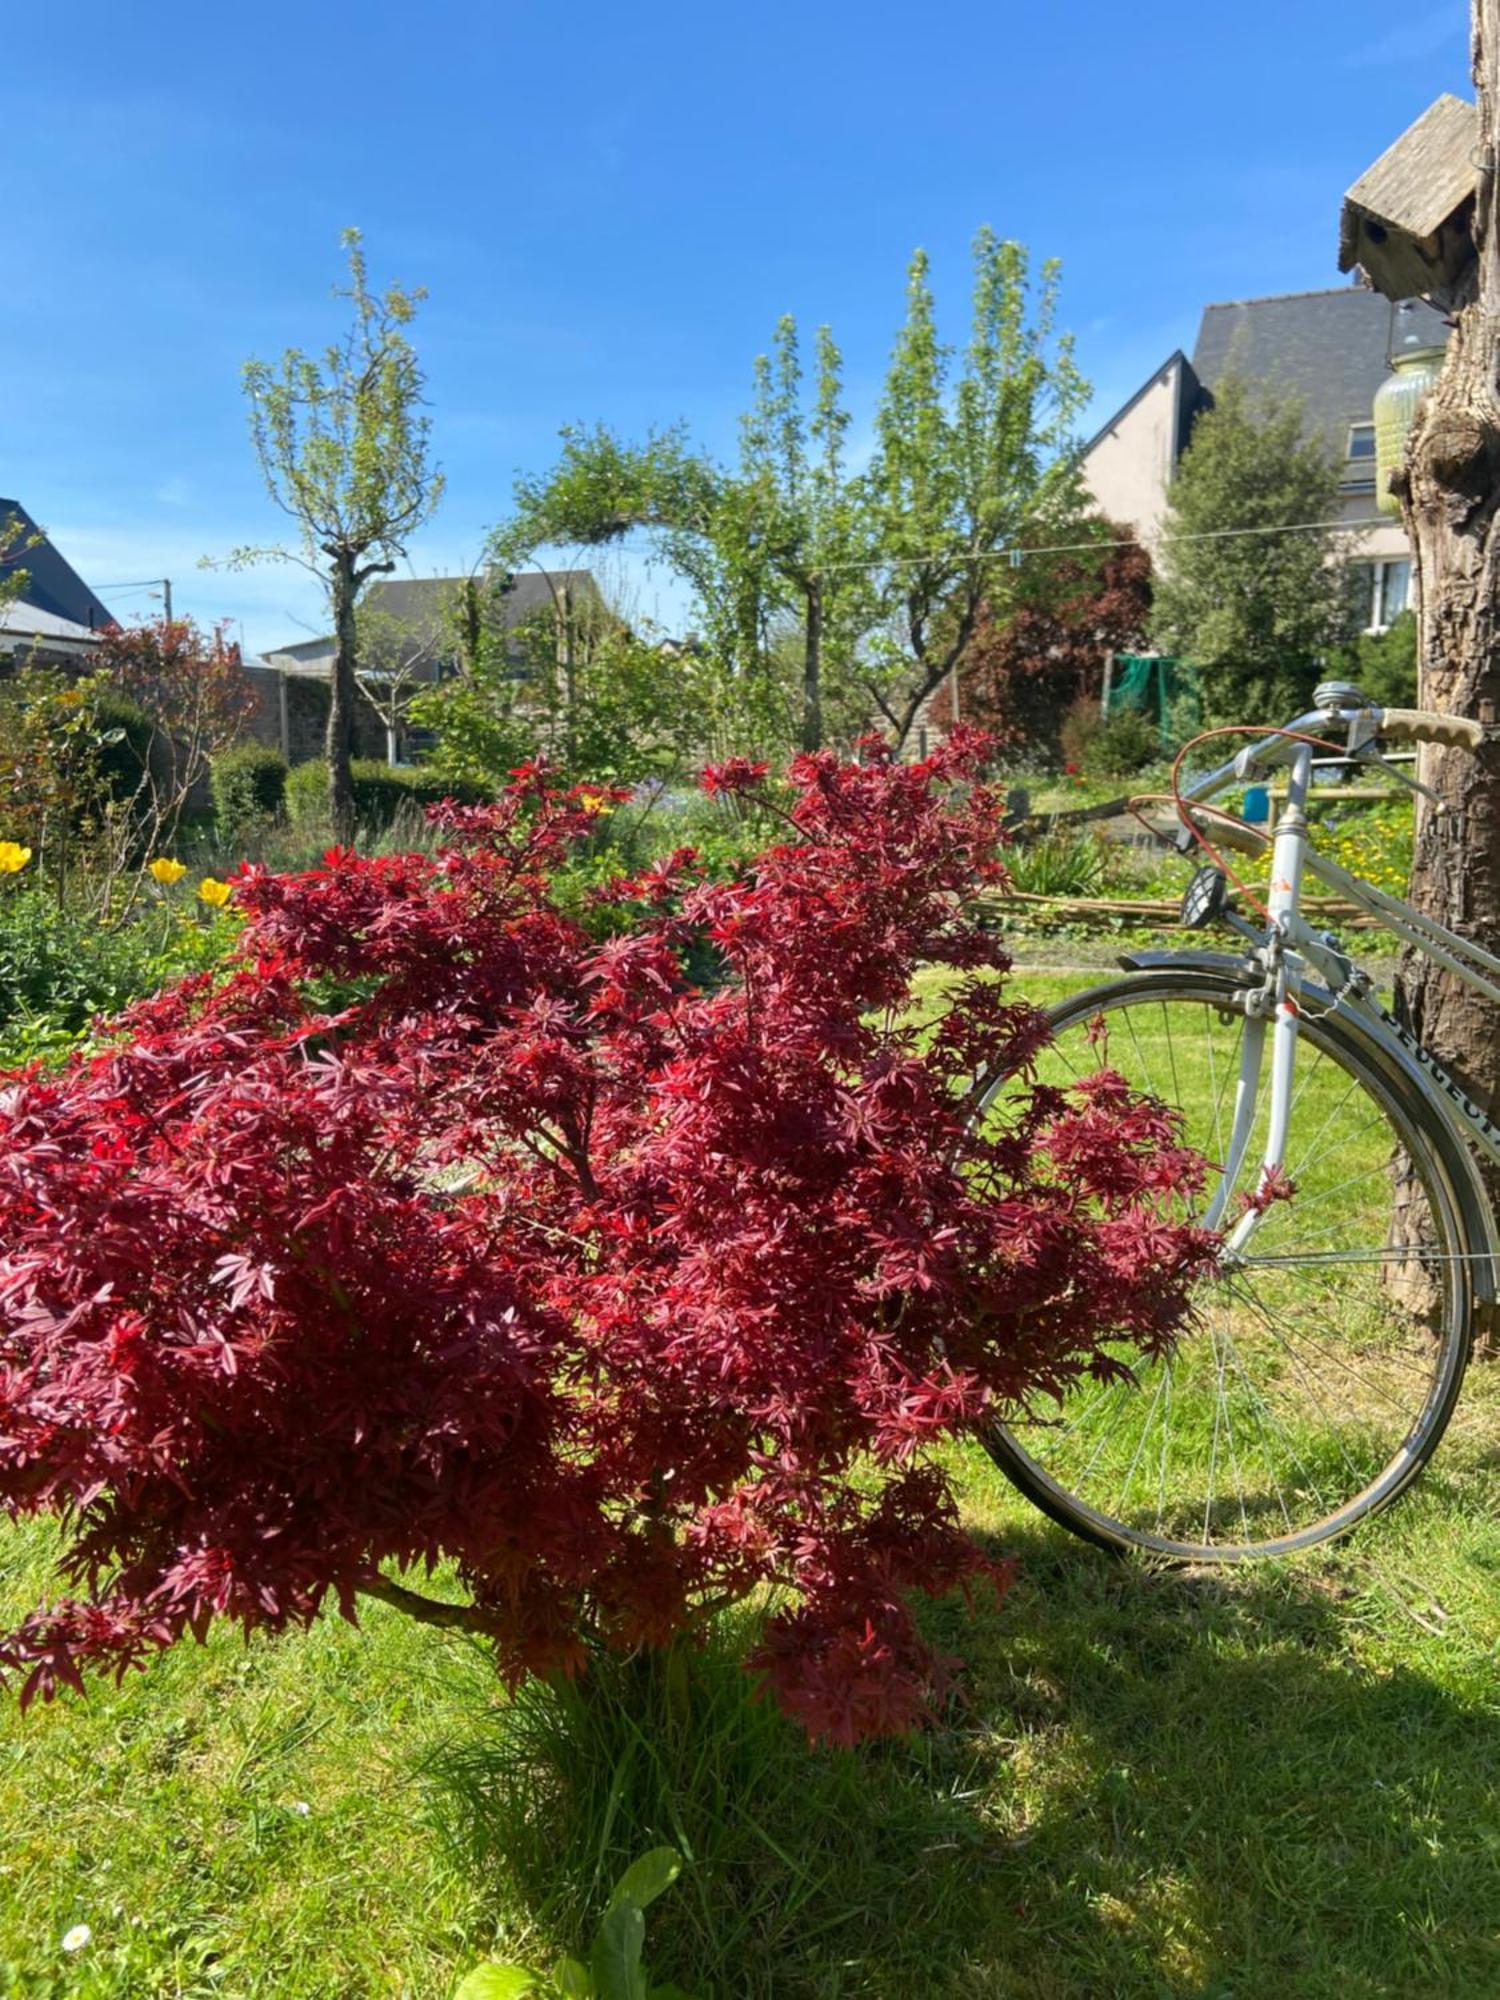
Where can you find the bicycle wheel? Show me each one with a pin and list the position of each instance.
(1320, 1369)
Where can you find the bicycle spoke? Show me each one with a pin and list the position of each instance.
(1319, 1367)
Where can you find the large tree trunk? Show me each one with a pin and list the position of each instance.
(1450, 491)
(343, 693)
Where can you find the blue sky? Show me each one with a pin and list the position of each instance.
(610, 208)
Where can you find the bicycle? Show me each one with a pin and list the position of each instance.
(1326, 1353)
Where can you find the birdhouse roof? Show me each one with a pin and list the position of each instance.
(1421, 181)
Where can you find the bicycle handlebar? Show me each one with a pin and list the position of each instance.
(1412, 725)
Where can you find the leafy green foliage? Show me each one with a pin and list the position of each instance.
(1258, 612)
(832, 600)
(975, 455)
(1057, 865)
(574, 684)
(1384, 664)
(59, 967)
(249, 788)
(614, 1970)
(74, 769)
(1114, 746)
(380, 792)
(123, 732)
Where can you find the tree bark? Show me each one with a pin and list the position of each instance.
(812, 670)
(343, 693)
(1450, 493)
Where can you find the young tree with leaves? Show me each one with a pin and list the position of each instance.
(966, 469)
(1257, 601)
(780, 537)
(808, 518)
(343, 442)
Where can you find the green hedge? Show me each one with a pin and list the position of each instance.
(380, 791)
(123, 762)
(249, 787)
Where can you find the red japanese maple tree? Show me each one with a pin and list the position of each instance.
(436, 1234)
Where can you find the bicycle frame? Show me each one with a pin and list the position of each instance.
(1288, 948)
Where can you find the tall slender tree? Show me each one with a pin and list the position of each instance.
(343, 442)
(810, 519)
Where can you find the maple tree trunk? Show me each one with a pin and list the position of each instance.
(342, 695)
(1450, 494)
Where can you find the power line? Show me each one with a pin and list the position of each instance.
(1015, 554)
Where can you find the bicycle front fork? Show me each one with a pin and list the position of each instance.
(1274, 1007)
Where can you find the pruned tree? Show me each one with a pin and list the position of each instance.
(343, 441)
(773, 546)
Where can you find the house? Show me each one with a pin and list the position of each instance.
(411, 635)
(1330, 349)
(55, 620)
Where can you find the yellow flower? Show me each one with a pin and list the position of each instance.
(215, 894)
(594, 802)
(166, 872)
(13, 857)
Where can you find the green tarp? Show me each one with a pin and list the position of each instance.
(1164, 688)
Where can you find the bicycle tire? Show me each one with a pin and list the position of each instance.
(1021, 1448)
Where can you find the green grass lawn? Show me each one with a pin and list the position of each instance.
(1280, 1782)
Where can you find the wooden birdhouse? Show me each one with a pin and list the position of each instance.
(1407, 221)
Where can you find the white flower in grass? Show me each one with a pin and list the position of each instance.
(301, 1808)
(77, 1938)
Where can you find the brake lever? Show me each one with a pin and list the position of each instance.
(1369, 753)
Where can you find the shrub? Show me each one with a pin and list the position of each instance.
(1081, 728)
(380, 792)
(125, 733)
(526, 1256)
(1114, 746)
(249, 787)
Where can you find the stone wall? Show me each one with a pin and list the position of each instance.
(306, 716)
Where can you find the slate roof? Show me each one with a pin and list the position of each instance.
(1330, 349)
(53, 585)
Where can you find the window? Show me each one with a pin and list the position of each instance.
(1386, 590)
(1394, 582)
(1361, 441)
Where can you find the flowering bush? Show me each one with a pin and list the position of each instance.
(438, 1233)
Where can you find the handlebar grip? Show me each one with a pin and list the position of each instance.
(1422, 725)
